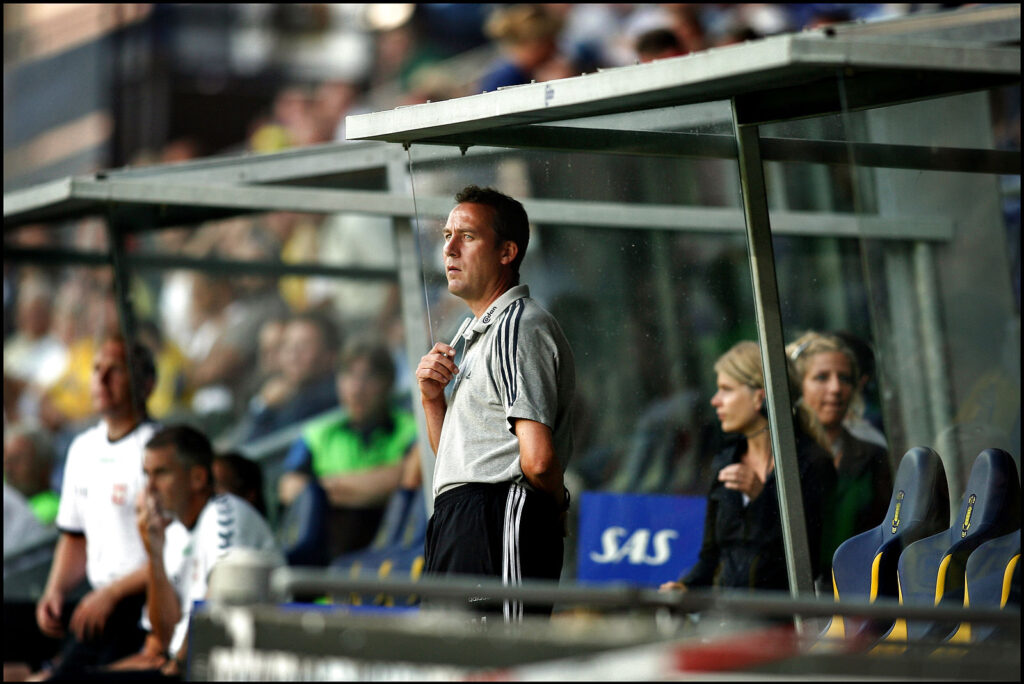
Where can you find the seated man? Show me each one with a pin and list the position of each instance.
(303, 386)
(98, 538)
(233, 473)
(356, 454)
(28, 463)
(186, 529)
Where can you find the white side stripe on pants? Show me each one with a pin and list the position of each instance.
(511, 571)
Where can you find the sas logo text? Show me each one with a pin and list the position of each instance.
(640, 548)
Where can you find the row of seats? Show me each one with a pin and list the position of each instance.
(396, 552)
(916, 556)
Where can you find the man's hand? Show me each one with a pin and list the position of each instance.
(742, 478)
(436, 370)
(48, 613)
(152, 522)
(90, 616)
(672, 586)
(172, 668)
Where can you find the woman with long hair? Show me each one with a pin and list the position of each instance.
(742, 545)
(827, 372)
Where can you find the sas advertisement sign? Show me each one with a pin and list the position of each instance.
(636, 538)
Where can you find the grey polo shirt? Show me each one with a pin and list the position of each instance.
(514, 362)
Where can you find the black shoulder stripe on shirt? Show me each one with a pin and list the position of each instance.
(507, 340)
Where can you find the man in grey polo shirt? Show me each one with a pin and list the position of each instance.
(497, 403)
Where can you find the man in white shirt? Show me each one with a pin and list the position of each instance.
(186, 529)
(96, 519)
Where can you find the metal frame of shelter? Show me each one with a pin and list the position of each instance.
(774, 79)
(787, 77)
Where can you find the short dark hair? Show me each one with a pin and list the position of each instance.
(138, 355)
(656, 41)
(191, 446)
(329, 333)
(510, 223)
(375, 352)
(248, 479)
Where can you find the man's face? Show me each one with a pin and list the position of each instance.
(363, 393)
(167, 479)
(475, 261)
(110, 384)
(302, 353)
(18, 464)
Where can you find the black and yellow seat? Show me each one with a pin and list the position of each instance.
(932, 571)
(864, 566)
(397, 550)
(992, 580)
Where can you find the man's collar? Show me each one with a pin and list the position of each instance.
(499, 305)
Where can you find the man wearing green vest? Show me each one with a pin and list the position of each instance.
(28, 462)
(357, 454)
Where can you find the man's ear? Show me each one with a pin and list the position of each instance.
(198, 478)
(509, 250)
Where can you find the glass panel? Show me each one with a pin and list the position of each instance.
(246, 373)
(947, 311)
(930, 316)
(249, 352)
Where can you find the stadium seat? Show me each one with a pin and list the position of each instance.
(931, 571)
(864, 566)
(397, 550)
(302, 532)
(992, 580)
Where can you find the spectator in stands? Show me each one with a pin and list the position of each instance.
(210, 360)
(742, 546)
(99, 540)
(233, 473)
(21, 524)
(304, 386)
(77, 315)
(357, 454)
(186, 528)
(169, 396)
(332, 100)
(829, 376)
(293, 123)
(659, 43)
(33, 357)
(528, 38)
(688, 26)
(28, 462)
(218, 376)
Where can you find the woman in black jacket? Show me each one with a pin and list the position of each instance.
(742, 546)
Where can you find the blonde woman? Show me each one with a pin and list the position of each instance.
(827, 371)
(742, 546)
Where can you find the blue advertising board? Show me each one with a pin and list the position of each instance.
(639, 539)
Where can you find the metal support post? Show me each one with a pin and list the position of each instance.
(773, 357)
(414, 315)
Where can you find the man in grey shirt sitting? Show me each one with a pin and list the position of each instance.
(497, 404)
